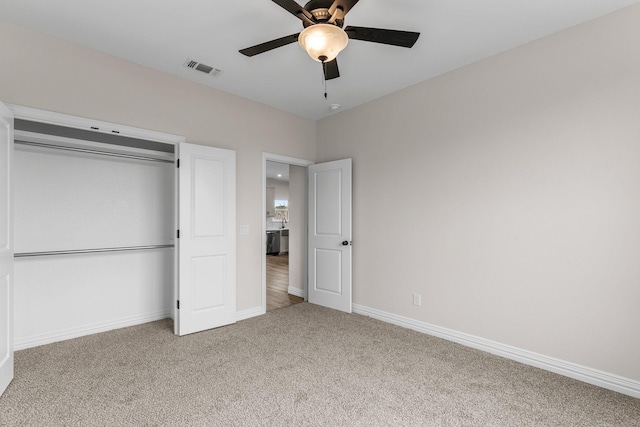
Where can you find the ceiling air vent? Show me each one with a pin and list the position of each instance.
(203, 68)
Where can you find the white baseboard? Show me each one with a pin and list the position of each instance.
(62, 335)
(295, 291)
(249, 313)
(568, 369)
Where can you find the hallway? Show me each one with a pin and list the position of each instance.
(278, 283)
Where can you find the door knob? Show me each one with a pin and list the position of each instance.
(345, 243)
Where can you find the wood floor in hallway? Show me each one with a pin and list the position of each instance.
(278, 283)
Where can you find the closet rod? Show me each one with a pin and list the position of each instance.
(91, 251)
(86, 150)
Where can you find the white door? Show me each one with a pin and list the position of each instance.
(330, 235)
(207, 240)
(6, 248)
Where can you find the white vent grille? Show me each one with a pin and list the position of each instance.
(203, 68)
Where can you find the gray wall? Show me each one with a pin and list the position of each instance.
(507, 194)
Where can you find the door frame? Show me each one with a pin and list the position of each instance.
(98, 126)
(7, 365)
(286, 160)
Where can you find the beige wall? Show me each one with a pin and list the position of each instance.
(43, 72)
(507, 193)
(298, 225)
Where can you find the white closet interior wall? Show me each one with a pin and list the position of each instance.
(67, 200)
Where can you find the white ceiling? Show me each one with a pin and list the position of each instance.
(277, 171)
(162, 34)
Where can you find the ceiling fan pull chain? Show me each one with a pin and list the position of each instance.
(324, 78)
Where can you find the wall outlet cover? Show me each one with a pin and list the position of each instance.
(417, 299)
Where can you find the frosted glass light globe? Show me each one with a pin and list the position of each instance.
(323, 42)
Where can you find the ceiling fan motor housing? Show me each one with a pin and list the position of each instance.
(320, 11)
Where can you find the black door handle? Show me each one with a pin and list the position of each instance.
(345, 243)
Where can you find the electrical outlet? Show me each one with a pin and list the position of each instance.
(417, 299)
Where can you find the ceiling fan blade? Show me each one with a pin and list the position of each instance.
(345, 5)
(378, 35)
(295, 9)
(270, 45)
(331, 70)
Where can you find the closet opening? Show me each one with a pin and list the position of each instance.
(94, 230)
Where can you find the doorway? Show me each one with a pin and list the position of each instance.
(284, 271)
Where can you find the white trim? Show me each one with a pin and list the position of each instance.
(50, 117)
(568, 369)
(249, 313)
(296, 291)
(281, 159)
(62, 335)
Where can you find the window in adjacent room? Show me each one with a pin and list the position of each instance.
(282, 210)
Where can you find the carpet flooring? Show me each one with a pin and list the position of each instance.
(302, 365)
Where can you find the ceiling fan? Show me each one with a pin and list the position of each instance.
(323, 37)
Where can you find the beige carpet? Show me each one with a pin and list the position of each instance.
(302, 365)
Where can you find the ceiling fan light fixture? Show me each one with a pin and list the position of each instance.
(323, 42)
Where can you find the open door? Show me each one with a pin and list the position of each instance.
(206, 288)
(330, 235)
(6, 248)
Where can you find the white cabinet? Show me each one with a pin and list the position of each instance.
(271, 201)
